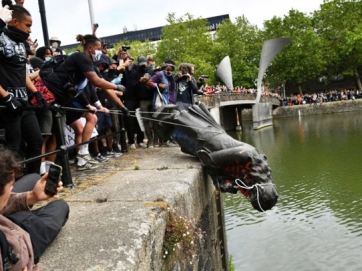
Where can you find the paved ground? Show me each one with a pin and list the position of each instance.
(117, 216)
(87, 178)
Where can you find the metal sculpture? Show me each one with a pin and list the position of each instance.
(233, 165)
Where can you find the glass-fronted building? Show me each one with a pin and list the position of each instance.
(151, 34)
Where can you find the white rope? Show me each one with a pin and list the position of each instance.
(257, 186)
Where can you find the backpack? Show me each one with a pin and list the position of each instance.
(51, 65)
(68, 90)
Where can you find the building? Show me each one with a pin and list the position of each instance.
(151, 34)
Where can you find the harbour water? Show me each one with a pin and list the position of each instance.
(317, 222)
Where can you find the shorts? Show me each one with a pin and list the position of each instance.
(72, 116)
(104, 121)
(45, 119)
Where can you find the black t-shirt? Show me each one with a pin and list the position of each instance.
(13, 67)
(76, 65)
(184, 92)
(71, 70)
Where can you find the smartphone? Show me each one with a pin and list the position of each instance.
(54, 174)
(35, 41)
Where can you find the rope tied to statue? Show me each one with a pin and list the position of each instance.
(242, 185)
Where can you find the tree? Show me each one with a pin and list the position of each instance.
(242, 43)
(186, 40)
(303, 59)
(338, 23)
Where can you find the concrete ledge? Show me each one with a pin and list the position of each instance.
(119, 224)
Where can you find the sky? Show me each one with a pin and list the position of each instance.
(67, 18)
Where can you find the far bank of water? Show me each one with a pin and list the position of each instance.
(317, 223)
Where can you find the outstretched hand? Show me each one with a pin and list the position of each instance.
(38, 194)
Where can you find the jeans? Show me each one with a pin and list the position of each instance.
(131, 123)
(42, 224)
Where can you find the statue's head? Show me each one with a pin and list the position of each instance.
(256, 182)
(243, 169)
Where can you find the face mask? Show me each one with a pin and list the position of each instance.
(55, 44)
(97, 55)
(113, 72)
(168, 73)
(152, 67)
(48, 58)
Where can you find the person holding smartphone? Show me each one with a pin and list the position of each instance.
(28, 232)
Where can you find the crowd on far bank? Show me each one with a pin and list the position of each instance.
(322, 97)
(288, 100)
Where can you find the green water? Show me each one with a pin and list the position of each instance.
(317, 222)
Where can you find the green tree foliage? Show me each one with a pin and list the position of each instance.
(242, 43)
(339, 24)
(138, 48)
(186, 40)
(303, 59)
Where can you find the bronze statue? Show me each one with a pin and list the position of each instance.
(233, 165)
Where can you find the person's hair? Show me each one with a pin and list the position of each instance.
(41, 51)
(9, 164)
(19, 12)
(87, 40)
(169, 62)
(185, 65)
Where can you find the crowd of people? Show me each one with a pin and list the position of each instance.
(322, 97)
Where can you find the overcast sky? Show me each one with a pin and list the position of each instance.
(67, 18)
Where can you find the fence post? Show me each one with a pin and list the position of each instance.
(122, 135)
(63, 155)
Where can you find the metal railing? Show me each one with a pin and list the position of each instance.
(63, 149)
(215, 100)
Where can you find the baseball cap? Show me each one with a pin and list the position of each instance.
(142, 60)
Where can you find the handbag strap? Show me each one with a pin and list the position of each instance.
(5, 252)
(161, 96)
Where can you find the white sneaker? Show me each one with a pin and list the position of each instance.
(86, 166)
(112, 153)
(169, 143)
(87, 158)
(142, 145)
(132, 146)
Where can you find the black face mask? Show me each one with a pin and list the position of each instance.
(15, 34)
(113, 73)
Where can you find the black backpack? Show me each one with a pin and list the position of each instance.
(51, 65)
(68, 90)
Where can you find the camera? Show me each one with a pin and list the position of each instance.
(125, 48)
(203, 77)
(70, 89)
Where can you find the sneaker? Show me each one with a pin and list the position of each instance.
(100, 158)
(87, 158)
(170, 144)
(112, 153)
(116, 148)
(142, 145)
(86, 166)
(132, 146)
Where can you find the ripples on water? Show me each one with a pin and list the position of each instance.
(317, 222)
